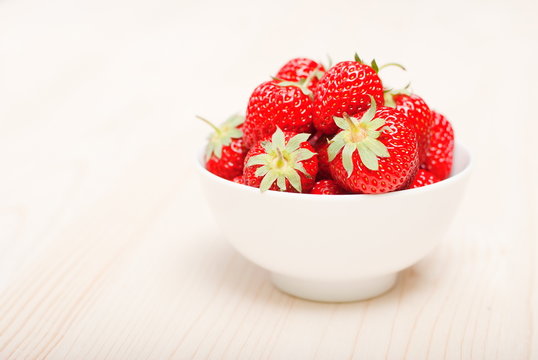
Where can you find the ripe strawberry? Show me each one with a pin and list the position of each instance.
(239, 179)
(440, 153)
(345, 88)
(273, 104)
(423, 178)
(419, 115)
(301, 68)
(285, 162)
(327, 187)
(225, 153)
(374, 154)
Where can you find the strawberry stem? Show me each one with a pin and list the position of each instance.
(392, 64)
(357, 132)
(350, 122)
(280, 159)
(217, 130)
(311, 76)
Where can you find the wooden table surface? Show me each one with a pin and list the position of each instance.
(107, 247)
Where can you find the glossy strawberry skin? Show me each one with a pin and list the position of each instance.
(310, 165)
(420, 115)
(327, 187)
(300, 68)
(423, 178)
(395, 171)
(345, 88)
(271, 105)
(230, 164)
(239, 179)
(440, 154)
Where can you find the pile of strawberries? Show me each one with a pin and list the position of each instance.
(335, 131)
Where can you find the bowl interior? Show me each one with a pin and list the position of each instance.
(462, 159)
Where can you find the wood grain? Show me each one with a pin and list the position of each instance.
(108, 250)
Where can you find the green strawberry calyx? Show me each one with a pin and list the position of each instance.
(359, 135)
(329, 62)
(376, 67)
(302, 83)
(318, 73)
(222, 135)
(282, 161)
(389, 94)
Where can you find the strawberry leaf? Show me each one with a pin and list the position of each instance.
(235, 120)
(262, 170)
(360, 135)
(347, 157)
(267, 146)
(223, 135)
(335, 146)
(374, 66)
(370, 113)
(389, 99)
(295, 180)
(208, 151)
(281, 182)
(341, 123)
(282, 161)
(304, 154)
(235, 133)
(260, 159)
(268, 180)
(376, 123)
(294, 143)
(376, 146)
(301, 84)
(218, 150)
(368, 158)
(300, 167)
(278, 139)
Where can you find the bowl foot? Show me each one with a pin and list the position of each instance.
(335, 291)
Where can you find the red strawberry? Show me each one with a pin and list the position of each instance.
(225, 153)
(440, 153)
(301, 68)
(374, 154)
(327, 187)
(345, 88)
(239, 180)
(273, 104)
(419, 115)
(423, 178)
(321, 147)
(285, 162)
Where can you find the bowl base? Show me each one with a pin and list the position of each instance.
(335, 291)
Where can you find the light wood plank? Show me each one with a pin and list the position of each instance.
(108, 250)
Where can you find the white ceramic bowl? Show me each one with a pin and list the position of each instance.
(335, 248)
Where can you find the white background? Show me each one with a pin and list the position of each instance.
(97, 105)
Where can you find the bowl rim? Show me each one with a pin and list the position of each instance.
(463, 173)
